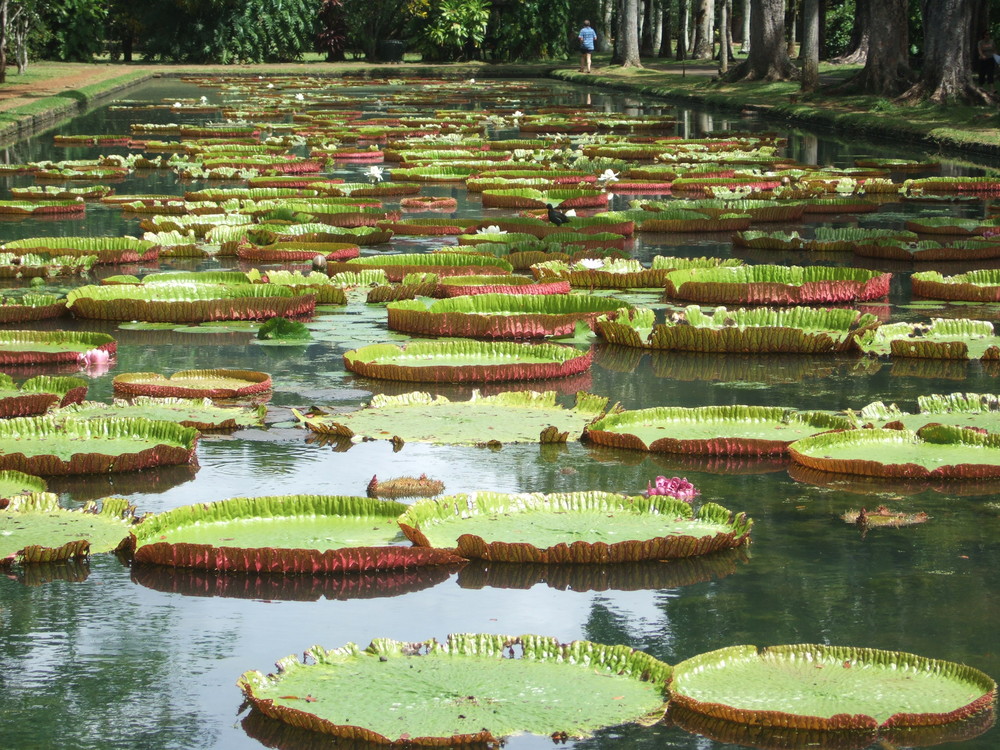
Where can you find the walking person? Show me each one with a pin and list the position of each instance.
(587, 38)
(986, 64)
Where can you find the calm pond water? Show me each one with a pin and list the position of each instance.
(101, 656)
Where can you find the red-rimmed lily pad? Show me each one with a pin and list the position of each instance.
(14, 483)
(777, 285)
(975, 411)
(713, 430)
(501, 316)
(49, 347)
(107, 249)
(508, 417)
(396, 267)
(799, 330)
(34, 528)
(466, 361)
(193, 384)
(814, 687)
(942, 338)
(935, 451)
(47, 445)
(975, 286)
(460, 286)
(31, 307)
(467, 690)
(188, 302)
(282, 534)
(201, 414)
(582, 527)
(37, 394)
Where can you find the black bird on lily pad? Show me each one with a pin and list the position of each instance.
(558, 217)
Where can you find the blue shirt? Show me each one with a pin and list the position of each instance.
(587, 37)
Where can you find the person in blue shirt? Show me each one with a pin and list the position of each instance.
(587, 38)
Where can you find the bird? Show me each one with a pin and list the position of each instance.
(555, 216)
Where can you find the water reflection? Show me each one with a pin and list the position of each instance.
(622, 577)
(303, 588)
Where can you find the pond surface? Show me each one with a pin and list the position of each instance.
(102, 656)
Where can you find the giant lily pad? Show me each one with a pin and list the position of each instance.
(934, 451)
(800, 330)
(777, 285)
(976, 411)
(502, 316)
(583, 527)
(468, 690)
(14, 483)
(974, 286)
(31, 307)
(284, 534)
(193, 384)
(187, 303)
(829, 688)
(46, 445)
(107, 249)
(37, 394)
(35, 528)
(509, 417)
(48, 347)
(466, 361)
(714, 430)
(443, 264)
(942, 338)
(201, 414)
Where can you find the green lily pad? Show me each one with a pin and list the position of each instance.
(829, 687)
(934, 451)
(942, 338)
(194, 384)
(467, 690)
(36, 347)
(282, 534)
(713, 430)
(584, 527)
(18, 483)
(975, 286)
(35, 528)
(201, 414)
(46, 445)
(977, 411)
(777, 285)
(464, 361)
(799, 330)
(510, 417)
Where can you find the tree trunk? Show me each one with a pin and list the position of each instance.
(630, 35)
(607, 21)
(887, 65)
(682, 38)
(646, 25)
(666, 20)
(857, 50)
(768, 59)
(792, 25)
(745, 46)
(810, 45)
(618, 24)
(3, 41)
(947, 54)
(704, 44)
(723, 39)
(656, 23)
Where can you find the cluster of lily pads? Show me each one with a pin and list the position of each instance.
(535, 265)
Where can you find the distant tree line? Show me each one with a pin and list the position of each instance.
(909, 48)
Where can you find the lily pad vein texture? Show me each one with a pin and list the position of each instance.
(469, 689)
(819, 687)
(578, 527)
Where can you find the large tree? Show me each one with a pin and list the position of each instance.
(810, 45)
(630, 35)
(887, 62)
(857, 48)
(704, 39)
(768, 59)
(947, 54)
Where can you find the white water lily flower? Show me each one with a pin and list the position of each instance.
(375, 173)
(270, 85)
(177, 105)
(491, 229)
(608, 176)
(591, 264)
(204, 100)
(471, 80)
(300, 97)
(570, 212)
(517, 113)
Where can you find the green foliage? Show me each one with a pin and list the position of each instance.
(75, 29)
(839, 23)
(453, 29)
(530, 30)
(227, 31)
(284, 330)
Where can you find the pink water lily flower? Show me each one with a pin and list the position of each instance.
(676, 487)
(95, 361)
